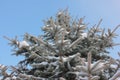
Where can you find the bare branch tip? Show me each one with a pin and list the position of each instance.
(7, 38)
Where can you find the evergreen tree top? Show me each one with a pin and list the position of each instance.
(68, 50)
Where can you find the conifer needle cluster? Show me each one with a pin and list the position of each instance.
(68, 50)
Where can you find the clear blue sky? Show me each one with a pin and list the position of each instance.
(20, 16)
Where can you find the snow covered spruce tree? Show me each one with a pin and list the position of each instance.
(68, 50)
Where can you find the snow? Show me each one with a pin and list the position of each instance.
(83, 78)
(54, 63)
(117, 78)
(66, 59)
(52, 57)
(17, 42)
(38, 65)
(100, 67)
(14, 77)
(47, 25)
(95, 78)
(59, 13)
(83, 35)
(65, 42)
(58, 26)
(23, 44)
(81, 73)
(113, 66)
(2, 66)
(63, 30)
(44, 63)
(61, 78)
(7, 79)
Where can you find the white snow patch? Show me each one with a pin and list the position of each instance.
(59, 13)
(52, 57)
(65, 42)
(7, 79)
(83, 35)
(113, 66)
(23, 44)
(99, 66)
(54, 63)
(2, 66)
(14, 78)
(44, 63)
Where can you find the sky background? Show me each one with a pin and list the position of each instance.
(20, 16)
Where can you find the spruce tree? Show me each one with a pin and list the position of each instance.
(68, 50)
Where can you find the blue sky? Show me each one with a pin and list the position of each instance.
(20, 16)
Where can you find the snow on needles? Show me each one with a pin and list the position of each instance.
(83, 35)
(23, 44)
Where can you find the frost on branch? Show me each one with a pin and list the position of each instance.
(68, 50)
